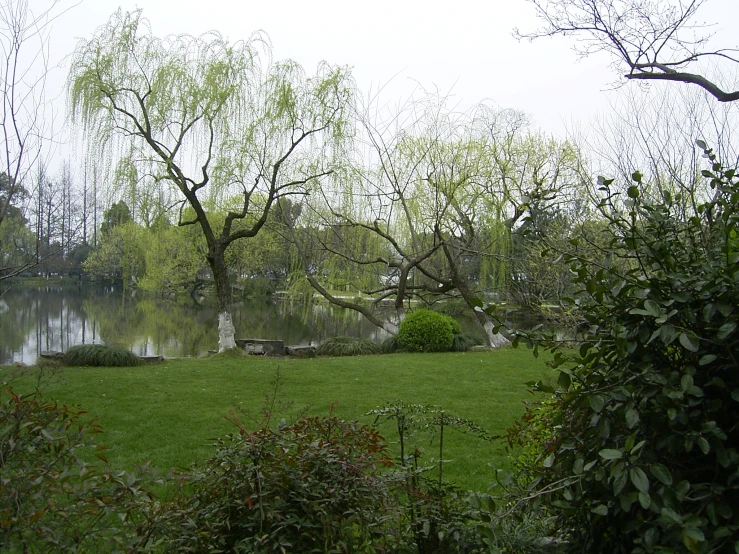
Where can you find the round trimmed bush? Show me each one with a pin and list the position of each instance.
(427, 331)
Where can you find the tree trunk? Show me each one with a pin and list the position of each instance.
(495, 340)
(226, 331)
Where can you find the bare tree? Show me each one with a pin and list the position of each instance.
(654, 131)
(657, 40)
(24, 122)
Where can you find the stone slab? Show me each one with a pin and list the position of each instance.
(301, 351)
(52, 354)
(263, 347)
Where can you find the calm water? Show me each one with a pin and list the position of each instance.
(49, 318)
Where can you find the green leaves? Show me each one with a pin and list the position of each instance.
(611, 454)
(690, 341)
(601, 510)
(655, 385)
(661, 473)
(46, 484)
(639, 479)
(596, 402)
(632, 418)
(726, 330)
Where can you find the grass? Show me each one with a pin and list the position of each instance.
(168, 412)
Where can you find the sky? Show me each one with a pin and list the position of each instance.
(461, 47)
(464, 47)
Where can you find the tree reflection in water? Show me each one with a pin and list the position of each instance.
(33, 319)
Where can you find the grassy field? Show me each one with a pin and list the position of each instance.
(166, 413)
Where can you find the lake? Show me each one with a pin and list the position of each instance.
(34, 319)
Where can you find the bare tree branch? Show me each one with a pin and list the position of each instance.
(655, 40)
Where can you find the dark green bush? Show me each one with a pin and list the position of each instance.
(100, 355)
(50, 499)
(347, 346)
(390, 345)
(462, 342)
(426, 331)
(316, 486)
(645, 454)
(456, 327)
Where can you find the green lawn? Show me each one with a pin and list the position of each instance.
(167, 413)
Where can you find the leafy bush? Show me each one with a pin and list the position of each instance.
(100, 355)
(347, 346)
(51, 500)
(442, 517)
(390, 345)
(645, 458)
(426, 331)
(456, 327)
(462, 342)
(530, 532)
(314, 486)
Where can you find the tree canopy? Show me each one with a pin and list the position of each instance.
(221, 123)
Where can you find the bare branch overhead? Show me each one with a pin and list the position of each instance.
(655, 39)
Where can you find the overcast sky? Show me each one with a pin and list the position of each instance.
(462, 46)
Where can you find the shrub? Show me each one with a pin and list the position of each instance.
(441, 521)
(426, 331)
(315, 486)
(645, 457)
(456, 327)
(390, 345)
(100, 355)
(462, 342)
(347, 346)
(50, 499)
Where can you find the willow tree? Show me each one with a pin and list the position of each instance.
(212, 120)
(435, 196)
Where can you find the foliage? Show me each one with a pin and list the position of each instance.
(645, 456)
(442, 518)
(427, 331)
(50, 499)
(223, 128)
(439, 517)
(453, 324)
(462, 342)
(390, 345)
(17, 243)
(530, 532)
(315, 486)
(100, 355)
(347, 346)
(532, 433)
(172, 261)
(118, 214)
(120, 255)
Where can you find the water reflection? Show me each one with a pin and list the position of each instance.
(55, 318)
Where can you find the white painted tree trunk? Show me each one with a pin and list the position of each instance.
(496, 340)
(226, 332)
